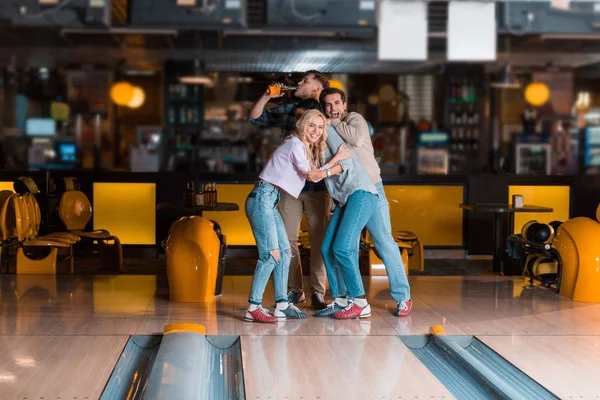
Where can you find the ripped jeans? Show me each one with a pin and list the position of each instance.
(270, 234)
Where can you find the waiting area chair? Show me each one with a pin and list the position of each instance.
(75, 211)
(19, 226)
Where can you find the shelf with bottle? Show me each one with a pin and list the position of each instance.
(200, 194)
(183, 92)
(464, 139)
(464, 115)
(182, 138)
(464, 146)
(183, 104)
(464, 90)
(183, 114)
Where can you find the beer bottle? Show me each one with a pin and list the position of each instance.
(215, 194)
(273, 89)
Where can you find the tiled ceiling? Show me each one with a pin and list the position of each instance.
(248, 52)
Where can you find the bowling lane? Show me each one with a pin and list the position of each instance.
(348, 367)
(566, 365)
(57, 367)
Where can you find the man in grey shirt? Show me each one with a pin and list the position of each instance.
(355, 198)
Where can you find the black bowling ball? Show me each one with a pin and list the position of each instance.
(539, 233)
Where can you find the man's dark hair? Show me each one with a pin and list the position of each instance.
(309, 104)
(321, 77)
(331, 91)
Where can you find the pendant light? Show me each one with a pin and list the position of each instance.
(508, 80)
(199, 76)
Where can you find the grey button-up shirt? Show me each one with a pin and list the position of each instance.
(353, 177)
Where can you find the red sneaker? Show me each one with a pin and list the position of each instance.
(403, 309)
(353, 311)
(260, 315)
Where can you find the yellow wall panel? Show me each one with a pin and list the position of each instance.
(126, 210)
(431, 212)
(234, 224)
(555, 197)
(7, 186)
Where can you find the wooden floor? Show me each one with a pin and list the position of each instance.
(61, 336)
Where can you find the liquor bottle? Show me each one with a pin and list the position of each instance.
(172, 114)
(182, 115)
(273, 89)
(465, 89)
(452, 90)
(474, 89)
(457, 89)
(211, 195)
(200, 196)
(206, 195)
(215, 193)
(189, 194)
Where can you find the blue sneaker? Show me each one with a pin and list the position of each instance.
(292, 312)
(296, 298)
(331, 309)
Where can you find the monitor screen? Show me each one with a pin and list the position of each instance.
(66, 152)
(40, 127)
(592, 146)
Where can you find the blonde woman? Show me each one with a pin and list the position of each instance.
(303, 151)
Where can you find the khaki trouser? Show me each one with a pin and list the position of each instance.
(317, 206)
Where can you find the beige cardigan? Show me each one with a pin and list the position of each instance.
(355, 131)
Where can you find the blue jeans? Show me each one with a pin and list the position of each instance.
(341, 243)
(269, 233)
(380, 229)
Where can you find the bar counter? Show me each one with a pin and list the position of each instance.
(125, 203)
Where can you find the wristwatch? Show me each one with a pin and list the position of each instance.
(328, 172)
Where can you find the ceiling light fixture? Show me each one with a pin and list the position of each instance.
(199, 76)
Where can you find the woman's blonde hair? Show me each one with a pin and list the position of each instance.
(316, 151)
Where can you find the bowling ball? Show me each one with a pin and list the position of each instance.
(540, 233)
(525, 227)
